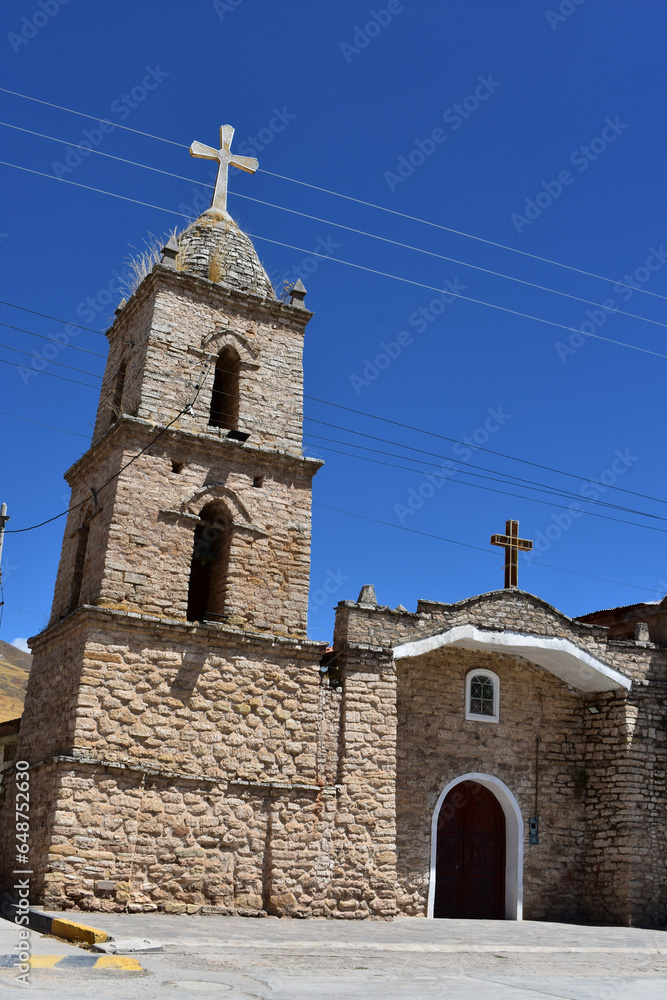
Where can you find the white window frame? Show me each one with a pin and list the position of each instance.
(473, 716)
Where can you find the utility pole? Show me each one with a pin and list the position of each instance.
(4, 517)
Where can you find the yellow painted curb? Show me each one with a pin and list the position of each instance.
(43, 961)
(121, 962)
(76, 963)
(77, 932)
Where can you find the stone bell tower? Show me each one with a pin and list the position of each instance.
(164, 689)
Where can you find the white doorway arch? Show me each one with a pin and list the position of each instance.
(513, 841)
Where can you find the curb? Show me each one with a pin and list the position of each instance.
(44, 924)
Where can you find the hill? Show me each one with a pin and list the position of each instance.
(14, 669)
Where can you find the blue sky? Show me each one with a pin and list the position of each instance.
(533, 127)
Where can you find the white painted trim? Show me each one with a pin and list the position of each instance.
(557, 655)
(513, 841)
(473, 717)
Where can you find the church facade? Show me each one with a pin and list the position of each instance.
(191, 750)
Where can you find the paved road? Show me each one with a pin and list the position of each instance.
(271, 959)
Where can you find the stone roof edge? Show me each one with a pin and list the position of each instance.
(654, 607)
(539, 601)
(299, 645)
(160, 273)
(305, 461)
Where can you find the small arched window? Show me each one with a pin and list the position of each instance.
(79, 563)
(116, 403)
(210, 562)
(482, 696)
(225, 396)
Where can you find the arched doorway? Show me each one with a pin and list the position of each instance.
(470, 854)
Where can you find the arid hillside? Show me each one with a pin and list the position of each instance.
(14, 669)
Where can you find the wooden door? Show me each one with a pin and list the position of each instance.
(470, 860)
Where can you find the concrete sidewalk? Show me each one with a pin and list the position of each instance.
(404, 934)
(407, 959)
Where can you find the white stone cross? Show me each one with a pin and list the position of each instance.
(224, 156)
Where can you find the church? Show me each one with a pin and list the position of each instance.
(190, 750)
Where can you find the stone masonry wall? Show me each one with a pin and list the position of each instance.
(364, 876)
(620, 753)
(140, 551)
(436, 744)
(196, 773)
(177, 324)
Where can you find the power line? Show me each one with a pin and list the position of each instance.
(535, 487)
(59, 363)
(26, 420)
(456, 232)
(530, 484)
(56, 319)
(50, 340)
(467, 545)
(337, 510)
(519, 496)
(358, 201)
(359, 267)
(520, 482)
(349, 229)
(92, 118)
(496, 477)
(87, 187)
(186, 409)
(478, 447)
(52, 375)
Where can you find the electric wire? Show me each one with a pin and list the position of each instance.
(56, 319)
(38, 423)
(351, 430)
(64, 378)
(92, 118)
(457, 232)
(59, 363)
(472, 465)
(350, 229)
(186, 409)
(478, 447)
(489, 489)
(359, 267)
(477, 548)
(41, 336)
(338, 194)
(376, 417)
(538, 487)
(497, 476)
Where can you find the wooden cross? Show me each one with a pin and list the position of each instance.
(512, 544)
(224, 156)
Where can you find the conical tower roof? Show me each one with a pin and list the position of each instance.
(214, 247)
